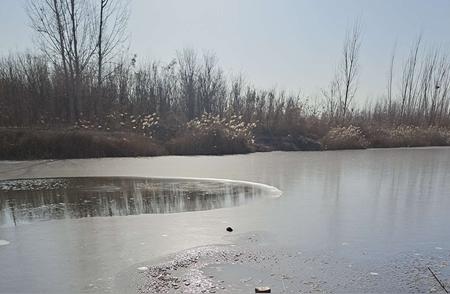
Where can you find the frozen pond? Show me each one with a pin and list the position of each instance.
(347, 221)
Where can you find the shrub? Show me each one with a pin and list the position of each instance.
(211, 134)
(350, 137)
(143, 124)
(409, 136)
(44, 144)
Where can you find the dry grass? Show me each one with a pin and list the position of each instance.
(43, 144)
(408, 136)
(350, 137)
(213, 135)
(353, 137)
(208, 135)
(213, 143)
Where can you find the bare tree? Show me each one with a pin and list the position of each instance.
(49, 21)
(188, 74)
(236, 92)
(112, 23)
(333, 100)
(66, 30)
(409, 81)
(211, 86)
(390, 79)
(349, 66)
(71, 33)
(342, 89)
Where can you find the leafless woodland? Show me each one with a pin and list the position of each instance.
(81, 74)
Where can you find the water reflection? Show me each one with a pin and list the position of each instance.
(29, 200)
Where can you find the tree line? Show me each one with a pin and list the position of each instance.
(82, 71)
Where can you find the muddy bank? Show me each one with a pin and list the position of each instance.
(30, 144)
(286, 143)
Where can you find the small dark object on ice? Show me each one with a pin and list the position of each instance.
(263, 290)
(229, 229)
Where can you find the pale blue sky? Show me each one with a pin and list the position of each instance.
(288, 44)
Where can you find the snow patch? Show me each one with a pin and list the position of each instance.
(4, 243)
(142, 268)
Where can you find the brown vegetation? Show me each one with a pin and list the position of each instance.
(350, 137)
(18, 144)
(115, 106)
(213, 135)
(408, 136)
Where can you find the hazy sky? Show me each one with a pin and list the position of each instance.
(287, 44)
